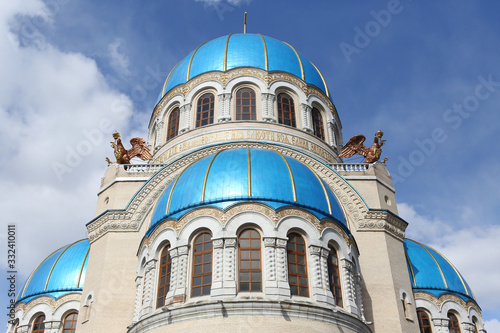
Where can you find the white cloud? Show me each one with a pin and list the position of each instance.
(492, 325)
(57, 113)
(474, 250)
(232, 2)
(118, 60)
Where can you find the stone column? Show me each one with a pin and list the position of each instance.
(138, 297)
(318, 288)
(148, 292)
(359, 298)
(159, 131)
(270, 281)
(224, 107)
(306, 117)
(282, 267)
(52, 326)
(268, 107)
(185, 118)
(468, 327)
(348, 286)
(229, 274)
(217, 262)
(331, 133)
(440, 325)
(178, 281)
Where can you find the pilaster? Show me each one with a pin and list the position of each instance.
(177, 292)
(217, 262)
(318, 287)
(331, 133)
(440, 325)
(349, 286)
(138, 297)
(185, 118)
(305, 111)
(229, 274)
(268, 107)
(224, 107)
(147, 297)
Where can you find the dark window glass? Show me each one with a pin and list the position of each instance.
(173, 124)
(334, 276)
(297, 268)
(165, 268)
(250, 274)
(286, 110)
(453, 324)
(245, 104)
(318, 124)
(205, 110)
(424, 322)
(202, 265)
(39, 325)
(70, 323)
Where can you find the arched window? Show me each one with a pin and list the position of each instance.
(474, 321)
(286, 110)
(173, 124)
(245, 104)
(202, 265)
(334, 276)
(164, 276)
(205, 110)
(38, 324)
(70, 322)
(453, 324)
(424, 322)
(250, 272)
(318, 124)
(297, 268)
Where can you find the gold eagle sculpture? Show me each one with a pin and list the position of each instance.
(355, 146)
(123, 156)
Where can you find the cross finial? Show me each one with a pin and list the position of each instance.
(245, 24)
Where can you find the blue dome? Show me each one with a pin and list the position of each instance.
(61, 273)
(431, 272)
(244, 50)
(247, 174)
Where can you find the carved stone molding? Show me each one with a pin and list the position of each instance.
(53, 303)
(383, 221)
(445, 297)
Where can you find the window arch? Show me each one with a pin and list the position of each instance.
(286, 110)
(205, 110)
(249, 253)
(334, 276)
(474, 322)
(318, 127)
(453, 324)
(38, 324)
(70, 322)
(173, 124)
(202, 265)
(245, 104)
(424, 321)
(297, 267)
(165, 269)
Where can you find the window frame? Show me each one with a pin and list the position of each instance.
(331, 276)
(296, 262)
(199, 109)
(420, 321)
(318, 124)
(239, 104)
(453, 320)
(170, 135)
(291, 111)
(168, 274)
(41, 323)
(250, 270)
(202, 263)
(71, 329)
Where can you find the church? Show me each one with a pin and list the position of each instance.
(245, 218)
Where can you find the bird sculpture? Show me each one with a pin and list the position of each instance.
(355, 146)
(123, 156)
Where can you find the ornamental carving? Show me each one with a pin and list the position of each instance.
(53, 303)
(445, 297)
(383, 221)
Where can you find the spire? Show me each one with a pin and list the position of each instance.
(245, 24)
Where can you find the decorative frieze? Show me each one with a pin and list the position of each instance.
(381, 220)
(224, 107)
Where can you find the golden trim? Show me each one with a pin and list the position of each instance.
(188, 73)
(459, 275)
(411, 269)
(323, 79)
(291, 176)
(266, 66)
(55, 262)
(206, 176)
(29, 279)
(249, 173)
(172, 190)
(437, 264)
(300, 62)
(81, 268)
(224, 66)
(165, 84)
(324, 190)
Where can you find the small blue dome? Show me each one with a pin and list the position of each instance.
(431, 272)
(247, 174)
(244, 50)
(61, 273)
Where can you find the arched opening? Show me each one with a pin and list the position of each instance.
(334, 276)
(205, 110)
(318, 127)
(164, 276)
(38, 324)
(249, 254)
(173, 124)
(69, 325)
(424, 321)
(202, 265)
(245, 104)
(286, 110)
(453, 324)
(297, 265)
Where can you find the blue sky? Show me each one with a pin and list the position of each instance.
(424, 72)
